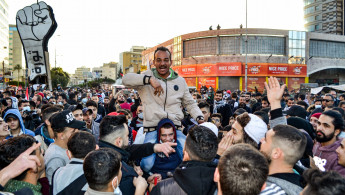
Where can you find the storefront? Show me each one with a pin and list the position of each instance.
(217, 75)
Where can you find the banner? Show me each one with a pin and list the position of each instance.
(295, 83)
(36, 24)
(229, 69)
(206, 70)
(253, 82)
(207, 81)
(275, 70)
(188, 70)
(191, 81)
(255, 69)
(298, 70)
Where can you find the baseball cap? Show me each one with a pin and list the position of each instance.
(85, 110)
(66, 119)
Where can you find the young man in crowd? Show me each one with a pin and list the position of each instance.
(242, 104)
(77, 111)
(94, 107)
(217, 120)
(102, 170)
(205, 109)
(114, 134)
(62, 100)
(283, 146)
(63, 125)
(44, 133)
(90, 123)
(29, 178)
(220, 106)
(15, 123)
(70, 179)
(100, 108)
(325, 183)
(329, 126)
(241, 170)
(195, 174)
(159, 163)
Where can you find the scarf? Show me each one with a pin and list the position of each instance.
(218, 105)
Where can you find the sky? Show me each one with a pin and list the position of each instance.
(91, 33)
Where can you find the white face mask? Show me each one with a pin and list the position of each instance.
(318, 106)
(26, 108)
(141, 115)
(117, 190)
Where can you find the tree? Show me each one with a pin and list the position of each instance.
(18, 67)
(59, 77)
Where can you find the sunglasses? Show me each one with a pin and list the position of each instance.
(326, 100)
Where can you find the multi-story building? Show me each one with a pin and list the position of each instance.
(4, 39)
(15, 54)
(130, 61)
(80, 75)
(326, 16)
(108, 70)
(218, 58)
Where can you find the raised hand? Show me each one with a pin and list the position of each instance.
(274, 92)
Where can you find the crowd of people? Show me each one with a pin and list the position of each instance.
(158, 137)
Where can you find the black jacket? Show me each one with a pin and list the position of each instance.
(226, 113)
(101, 110)
(133, 152)
(191, 177)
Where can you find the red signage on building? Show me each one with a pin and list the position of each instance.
(191, 81)
(207, 81)
(188, 70)
(253, 82)
(274, 70)
(206, 70)
(255, 69)
(298, 70)
(294, 83)
(229, 69)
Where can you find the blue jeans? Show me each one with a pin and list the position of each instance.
(151, 137)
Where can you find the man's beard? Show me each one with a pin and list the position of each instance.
(242, 105)
(121, 102)
(323, 138)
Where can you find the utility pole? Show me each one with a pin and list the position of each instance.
(246, 68)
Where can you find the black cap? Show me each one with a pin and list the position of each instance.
(239, 111)
(296, 110)
(75, 107)
(66, 119)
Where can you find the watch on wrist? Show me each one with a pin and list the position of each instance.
(199, 118)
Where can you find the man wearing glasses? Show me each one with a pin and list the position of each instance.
(327, 101)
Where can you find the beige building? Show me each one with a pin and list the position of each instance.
(108, 70)
(15, 54)
(80, 74)
(130, 61)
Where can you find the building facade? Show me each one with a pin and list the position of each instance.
(218, 58)
(4, 40)
(326, 16)
(15, 54)
(108, 70)
(130, 61)
(80, 75)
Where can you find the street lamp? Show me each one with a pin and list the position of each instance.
(246, 68)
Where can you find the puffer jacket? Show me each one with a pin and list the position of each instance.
(168, 104)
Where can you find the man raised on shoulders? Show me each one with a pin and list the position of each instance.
(162, 92)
